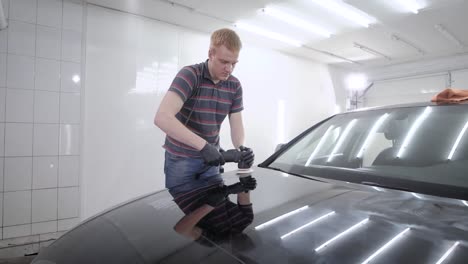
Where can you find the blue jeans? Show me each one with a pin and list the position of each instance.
(185, 174)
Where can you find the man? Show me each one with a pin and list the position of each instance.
(191, 114)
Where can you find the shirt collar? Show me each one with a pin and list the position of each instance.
(206, 71)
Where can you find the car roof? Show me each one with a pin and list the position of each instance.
(417, 104)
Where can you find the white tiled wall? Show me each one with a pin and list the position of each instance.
(40, 95)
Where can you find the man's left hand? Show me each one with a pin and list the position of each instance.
(247, 156)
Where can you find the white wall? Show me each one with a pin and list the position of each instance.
(406, 90)
(40, 53)
(416, 81)
(460, 79)
(408, 82)
(338, 76)
(130, 62)
(418, 88)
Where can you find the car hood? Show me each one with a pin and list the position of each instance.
(297, 220)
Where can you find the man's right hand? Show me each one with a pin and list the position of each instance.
(232, 155)
(211, 155)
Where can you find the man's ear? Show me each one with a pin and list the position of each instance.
(211, 52)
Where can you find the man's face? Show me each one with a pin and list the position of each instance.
(223, 62)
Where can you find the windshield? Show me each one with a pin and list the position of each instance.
(423, 144)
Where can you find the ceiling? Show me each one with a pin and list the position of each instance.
(415, 36)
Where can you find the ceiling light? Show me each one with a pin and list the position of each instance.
(308, 224)
(268, 34)
(371, 51)
(410, 5)
(356, 82)
(465, 203)
(455, 145)
(452, 248)
(385, 246)
(342, 234)
(274, 220)
(407, 43)
(292, 20)
(76, 78)
(413, 130)
(448, 35)
(331, 55)
(346, 11)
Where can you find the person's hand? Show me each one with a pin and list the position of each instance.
(234, 188)
(247, 158)
(249, 183)
(232, 155)
(215, 197)
(245, 184)
(211, 155)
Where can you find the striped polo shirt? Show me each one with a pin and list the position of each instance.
(211, 103)
(227, 218)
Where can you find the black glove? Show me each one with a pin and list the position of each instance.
(247, 158)
(215, 197)
(245, 184)
(234, 188)
(232, 155)
(249, 182)
(211, 155)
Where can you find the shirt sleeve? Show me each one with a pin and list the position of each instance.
(184, 82)
(242, 217)
(237, 104)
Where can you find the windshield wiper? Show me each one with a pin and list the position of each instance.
(295, 174)
(374, 184)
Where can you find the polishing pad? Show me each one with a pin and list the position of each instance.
(244, 171)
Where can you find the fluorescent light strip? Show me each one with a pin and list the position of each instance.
(415, 195)
(377, 188)
(274, 220)
(331, 55)
(448, 35)
(465, 203)
(346, 11)
(268, 34)
(385, 246)
(448, 253)
(306, 225)
(297, 22)
(319, 146)
(363, 222)
(410, 5)
(398, 38)
(371, 134)
(371, 51)
(342, 139)
(455, 145)
(413, 130)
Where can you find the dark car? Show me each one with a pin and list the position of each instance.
(383, 185)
